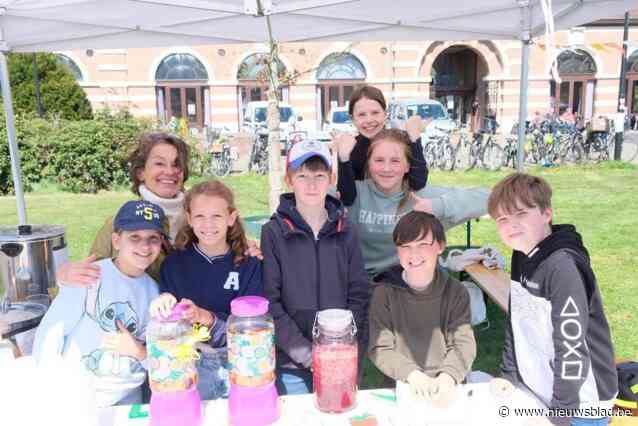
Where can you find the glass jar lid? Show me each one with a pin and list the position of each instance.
(335, 320)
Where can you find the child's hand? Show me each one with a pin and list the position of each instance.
(83, 273)
(420, 384)
(442, 390)
(124, 343)
(253, 250)
(162, 305)
(422, 204)
(344, 143)
(195, 314)
(414, 127)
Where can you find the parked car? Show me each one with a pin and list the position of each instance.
(400, 111)
(257, 112)
(339, 120)
(255, 122)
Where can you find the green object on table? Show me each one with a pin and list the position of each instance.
(363, 416)
(136, 412)
(391, 398)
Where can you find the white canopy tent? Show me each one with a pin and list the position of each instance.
(50, 25)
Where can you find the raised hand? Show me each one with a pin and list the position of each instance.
(344, 144)
(414, 126)
(83, 273)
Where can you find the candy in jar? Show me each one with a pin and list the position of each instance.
(172, 371)
(252, 400)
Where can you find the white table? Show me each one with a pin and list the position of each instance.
(474, 405)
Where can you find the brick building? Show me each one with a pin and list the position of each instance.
(210, 85)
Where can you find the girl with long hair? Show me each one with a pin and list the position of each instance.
(206, 272)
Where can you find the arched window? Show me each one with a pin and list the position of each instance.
(181, 66)
(70, 65)
(632, 82)
(575, 94)
(182, 89)
(254, 81)
(338, 74)
(255, 67)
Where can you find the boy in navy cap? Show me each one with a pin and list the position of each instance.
(312, 261)
(103, 326)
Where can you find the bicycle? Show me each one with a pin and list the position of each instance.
(222, 156)
(440, 153)
(258, 161)
(572, 151)
(485, 150)
(510, 152)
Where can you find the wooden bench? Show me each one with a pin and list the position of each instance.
(494, 282)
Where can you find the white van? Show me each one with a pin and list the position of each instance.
(257, 112)
(400, 111)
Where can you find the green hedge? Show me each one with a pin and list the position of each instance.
(80, 156)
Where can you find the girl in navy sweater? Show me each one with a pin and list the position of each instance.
(207, 271)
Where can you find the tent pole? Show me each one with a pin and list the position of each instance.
(11, 135)
(522, 107)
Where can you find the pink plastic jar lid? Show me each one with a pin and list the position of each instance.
(176, 313)
(249, 306)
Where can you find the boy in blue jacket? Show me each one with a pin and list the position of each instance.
(312, 261)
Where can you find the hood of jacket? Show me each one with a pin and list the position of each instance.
(290, 220)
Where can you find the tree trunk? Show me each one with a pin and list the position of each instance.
(274, 150)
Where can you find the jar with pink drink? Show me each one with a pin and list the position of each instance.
(334, 360)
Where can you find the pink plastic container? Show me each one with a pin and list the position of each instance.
(175, 400)
(252, 398)
(181, 408)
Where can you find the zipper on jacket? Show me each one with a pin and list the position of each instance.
(318, 272)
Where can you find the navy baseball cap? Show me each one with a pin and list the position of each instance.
(138, 215)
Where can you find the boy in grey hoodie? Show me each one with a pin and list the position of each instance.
(557, 340)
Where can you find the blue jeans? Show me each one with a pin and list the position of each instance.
(292, 381)
(582, 421)
(212, 368)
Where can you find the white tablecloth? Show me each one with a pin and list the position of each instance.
(474, 405)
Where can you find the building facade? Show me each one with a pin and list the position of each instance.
(210, 85)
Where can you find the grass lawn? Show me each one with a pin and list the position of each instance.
(600, 200)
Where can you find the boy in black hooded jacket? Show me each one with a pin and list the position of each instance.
(312, 261)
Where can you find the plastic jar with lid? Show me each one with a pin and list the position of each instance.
(168, 344)
(334, 360)
(251, 342)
